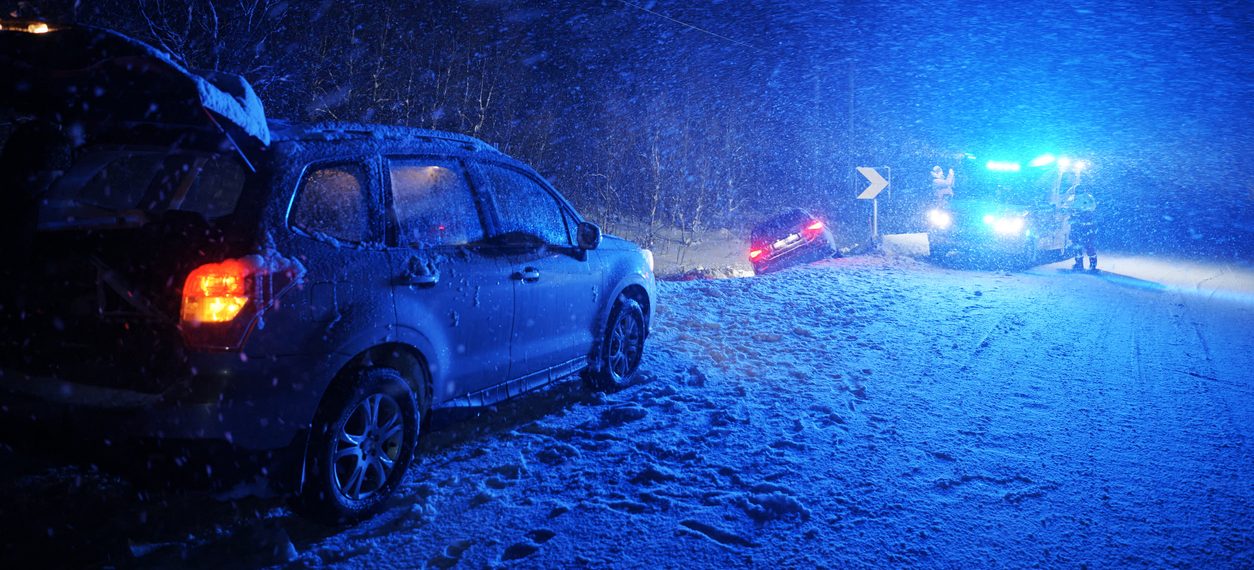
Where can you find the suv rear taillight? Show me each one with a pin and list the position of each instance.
(812, 230)
(757, 252)
(223, 301)
(216, 292)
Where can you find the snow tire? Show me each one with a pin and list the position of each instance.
(361, 444)
(620, 351)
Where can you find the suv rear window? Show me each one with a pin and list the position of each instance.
(216, 190)
(103, 184)
(779, 225)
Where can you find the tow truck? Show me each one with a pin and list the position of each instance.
(1007, 209)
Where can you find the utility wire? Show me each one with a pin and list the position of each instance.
(687, 25)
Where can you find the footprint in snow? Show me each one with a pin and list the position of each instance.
(541, 535)
(629, 507)
(519, 550)
(557, 454)
(483, 497)
(716, 534)
(825, 416)
(695, 377)
(621, 414)
(511, 471)
(654, 474)
(558, 511)
(451, 556)
(724, 418)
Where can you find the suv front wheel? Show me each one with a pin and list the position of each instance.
(362, 442)
(619, 356)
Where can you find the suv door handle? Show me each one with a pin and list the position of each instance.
(420, 280)
(528, 275)
(419, 273)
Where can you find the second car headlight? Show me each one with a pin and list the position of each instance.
(1008, 226)
(940, 219)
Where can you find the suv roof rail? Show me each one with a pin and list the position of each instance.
(284, 130)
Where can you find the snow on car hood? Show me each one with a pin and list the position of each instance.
(615, 243)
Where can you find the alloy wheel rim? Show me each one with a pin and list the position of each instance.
(624, 346)
(367, 447)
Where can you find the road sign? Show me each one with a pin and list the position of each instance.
(878, 183)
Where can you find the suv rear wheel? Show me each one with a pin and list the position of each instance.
(362, 442)
(622, 347)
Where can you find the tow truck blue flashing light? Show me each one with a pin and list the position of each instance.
(999, 166)
(1042, 160)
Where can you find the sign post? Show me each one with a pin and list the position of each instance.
(878, 184)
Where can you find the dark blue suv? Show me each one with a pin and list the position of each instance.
(311, 292)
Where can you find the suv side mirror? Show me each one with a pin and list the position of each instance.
(589, 235)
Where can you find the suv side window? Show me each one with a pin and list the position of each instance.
(432, 203)
(524, 206)
(334, 201)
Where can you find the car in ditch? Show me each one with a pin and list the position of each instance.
(790, 237)
(181, 271)
(1006, 211)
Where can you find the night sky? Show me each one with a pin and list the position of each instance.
(782, 99)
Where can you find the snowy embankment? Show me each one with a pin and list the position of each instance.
(861, 412)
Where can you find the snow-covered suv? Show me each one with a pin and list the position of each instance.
(183, 270)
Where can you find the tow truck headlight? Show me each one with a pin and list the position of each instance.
(940, 219)
(1012, 226)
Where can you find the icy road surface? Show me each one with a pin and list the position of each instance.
(865, 412)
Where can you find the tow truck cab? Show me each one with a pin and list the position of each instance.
(1007, 209)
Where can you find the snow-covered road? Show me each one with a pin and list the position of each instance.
(862, 412)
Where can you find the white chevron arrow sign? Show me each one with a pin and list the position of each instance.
(878, 183)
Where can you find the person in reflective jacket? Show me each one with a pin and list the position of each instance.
(1083, 228)
(942, 186)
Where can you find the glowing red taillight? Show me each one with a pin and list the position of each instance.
(223, 302)
(813, 230)
(756, 253)
(216, 292)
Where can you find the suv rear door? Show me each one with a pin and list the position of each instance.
(557, 287)
(337, 216)
(451, 286)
